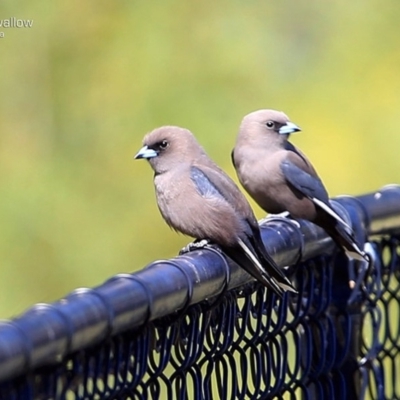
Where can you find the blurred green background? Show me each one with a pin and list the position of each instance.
(81, 88)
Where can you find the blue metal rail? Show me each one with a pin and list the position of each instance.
(46, 333)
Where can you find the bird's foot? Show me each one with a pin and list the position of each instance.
(196, 245)
(283, 215)
(369, 260)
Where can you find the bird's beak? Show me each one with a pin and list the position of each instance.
(145, 152)
(289, 128)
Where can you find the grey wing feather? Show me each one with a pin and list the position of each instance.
(224, 187)
(203, 185)
(311, 187)
(308, 185)
(289, 147)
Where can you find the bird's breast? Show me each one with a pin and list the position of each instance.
(187, 211)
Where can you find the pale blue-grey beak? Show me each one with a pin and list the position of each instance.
(145, 152)
(289, 128)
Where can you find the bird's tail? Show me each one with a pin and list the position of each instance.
(273, 270)
(261, 267)
(344, 238)
(339, 231)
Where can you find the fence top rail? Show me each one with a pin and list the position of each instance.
(46, 333)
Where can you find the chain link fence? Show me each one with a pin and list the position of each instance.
(198, 327)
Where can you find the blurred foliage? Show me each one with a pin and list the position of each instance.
(81, 88)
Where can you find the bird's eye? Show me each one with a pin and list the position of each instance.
(163, 145)
(270, 124)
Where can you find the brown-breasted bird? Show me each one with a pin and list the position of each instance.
(279, 177)
(197, 198)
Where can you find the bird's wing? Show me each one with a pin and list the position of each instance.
(308, 185)
(210, 182)
(300, 174)
(254, 239)
(204, 186)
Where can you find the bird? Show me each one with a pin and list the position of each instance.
(197, 198)
(280, 178)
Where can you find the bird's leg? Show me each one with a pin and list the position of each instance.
(195, 245)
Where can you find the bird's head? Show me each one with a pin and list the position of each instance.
(167, 147)
(266, 126)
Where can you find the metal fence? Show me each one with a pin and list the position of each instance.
(197, 326)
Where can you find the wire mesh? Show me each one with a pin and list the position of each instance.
(338, 338)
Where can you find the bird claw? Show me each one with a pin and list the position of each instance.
(196, 245)
(366, 267)
(296, 223)
(283, 215)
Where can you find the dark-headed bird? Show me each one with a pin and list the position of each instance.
(197, 198)
(280, 178)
